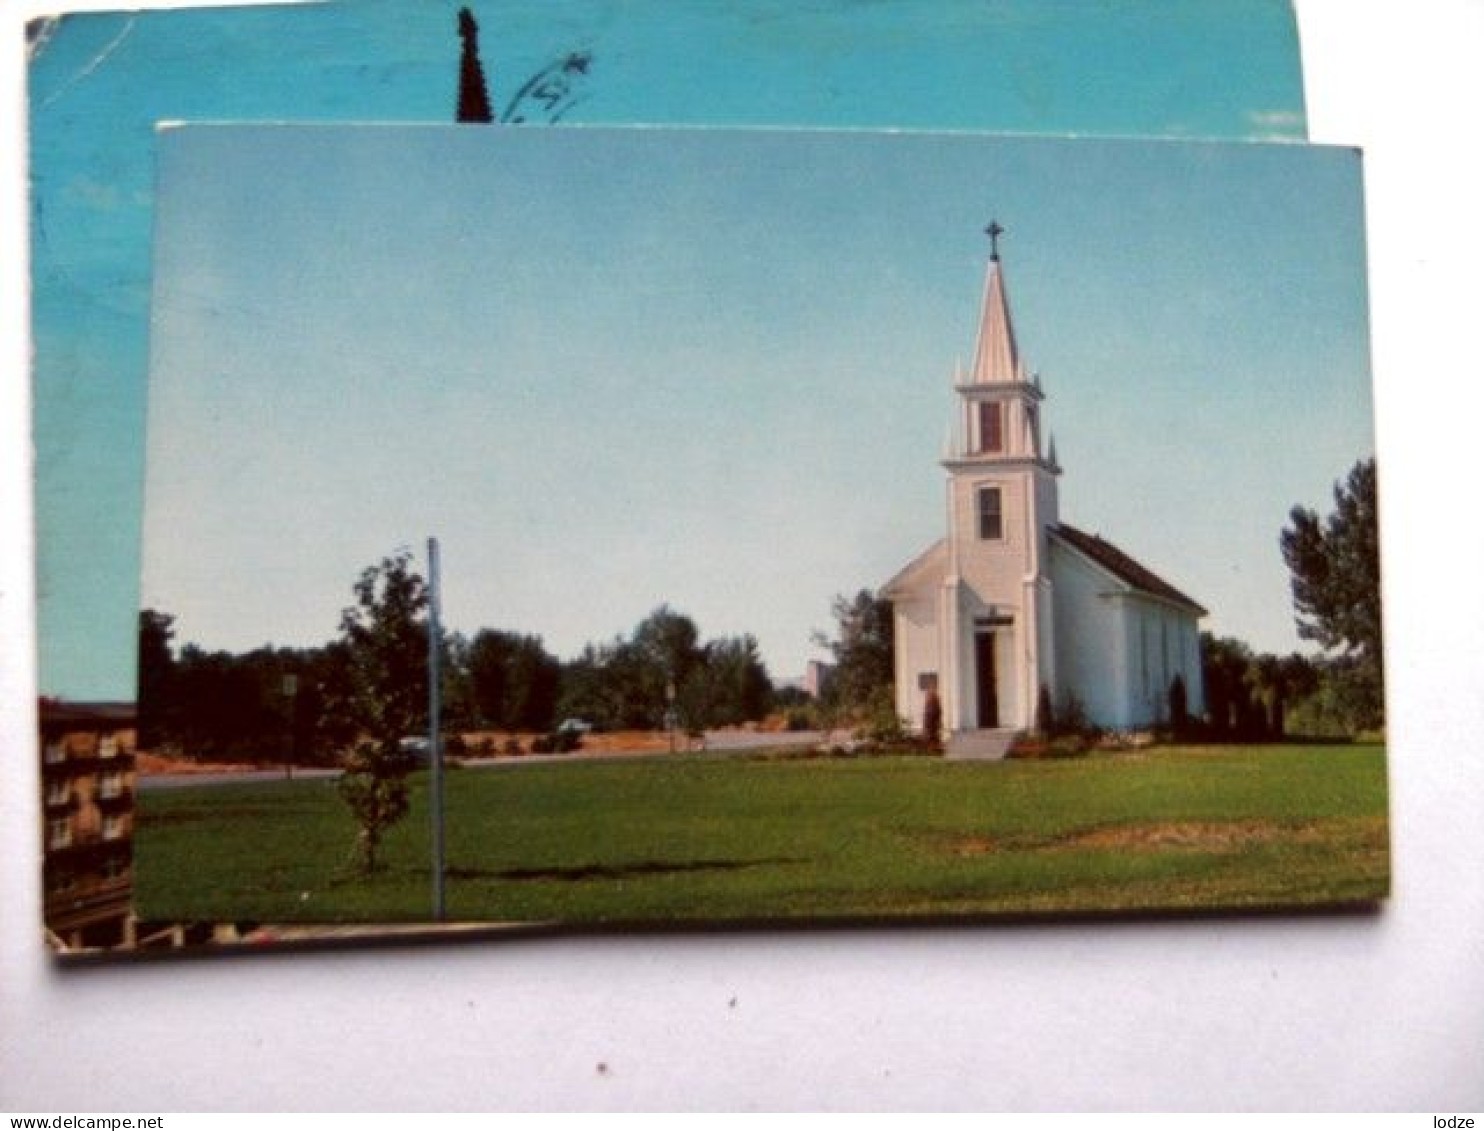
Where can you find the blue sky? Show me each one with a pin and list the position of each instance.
(99, 82)
(614, 368)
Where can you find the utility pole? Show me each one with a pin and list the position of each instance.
(435, 742)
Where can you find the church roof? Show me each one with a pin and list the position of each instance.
(996, 358)
(1123, 567)
(931, 562)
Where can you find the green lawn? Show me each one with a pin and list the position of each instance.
(706, 839)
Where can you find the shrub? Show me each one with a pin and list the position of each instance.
(932, 718)
(882, 724)
(1071, 717)
(557, 742)
(1179, 708)
(512, 746)
(801, 717)
(1028, 748)
(1045, 716)
(1068, 746)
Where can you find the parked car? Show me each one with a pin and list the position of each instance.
(574, 726)
(417, 747)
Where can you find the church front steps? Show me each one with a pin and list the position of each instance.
(980, 745)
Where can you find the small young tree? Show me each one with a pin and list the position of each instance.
(863, 651)
(384, 635)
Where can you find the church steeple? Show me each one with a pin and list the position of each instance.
(994, 607)
(996, 359)
(1000, 403)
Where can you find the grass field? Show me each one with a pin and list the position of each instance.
(667, 839)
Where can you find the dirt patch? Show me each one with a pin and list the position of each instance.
(979, 846)
(147, 763)
(1205, 836)
(1194, 836)
(479, 744)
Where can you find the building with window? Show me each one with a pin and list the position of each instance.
(87, 794)
(1015, 608)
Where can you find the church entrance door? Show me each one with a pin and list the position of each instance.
(984, 675)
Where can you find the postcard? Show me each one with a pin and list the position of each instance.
(595, 527)
(100, 81)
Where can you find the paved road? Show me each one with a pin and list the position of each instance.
(718, 743)
(149, 782)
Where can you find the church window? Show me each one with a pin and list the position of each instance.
(991, 426)
(991, 519)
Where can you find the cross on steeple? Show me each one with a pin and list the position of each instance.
(994, 232)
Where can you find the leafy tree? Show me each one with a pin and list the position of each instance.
(668, 655)
(609, 686)
(156, 670)
(322, 730)
(233, 705)
(1249, 696)
(458, 711)
(1224, 663)
(624, 684)
(1336, 566)
(514, 681)
(861, 682)
(1276, 683)
(728, 687)
(223, 705)
(384, 634)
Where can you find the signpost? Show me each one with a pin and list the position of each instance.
(290, 692)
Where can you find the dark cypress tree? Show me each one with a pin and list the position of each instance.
(1179, 708)
(474, 99)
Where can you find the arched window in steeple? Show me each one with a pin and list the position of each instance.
(991, 426)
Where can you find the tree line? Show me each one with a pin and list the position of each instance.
(309, 705)
(1334, 564)
(356, 700)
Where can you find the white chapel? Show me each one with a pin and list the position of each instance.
(1013, 600)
